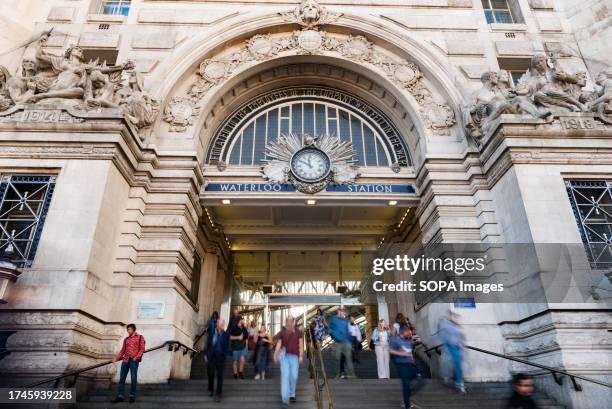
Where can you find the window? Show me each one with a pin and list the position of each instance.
(498, 11)
(517, 67)
(115, 7)
(24, 201)
(592, 205)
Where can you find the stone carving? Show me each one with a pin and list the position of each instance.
(50, 80)
(602, 104)
(340, 153)
(22, 87)
(179, 113)
(438, 116)
(139, 107)
(5, 97)
(310, 15)
(545, 90)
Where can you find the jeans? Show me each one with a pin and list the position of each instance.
(289, 364)
(215, 367)
(132, 367)
(344, 349)
(456, 356)
(407, 372)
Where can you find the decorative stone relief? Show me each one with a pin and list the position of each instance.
(55, 81)
(310, 14)
(437, 115)
(179, 113)
(546, 90)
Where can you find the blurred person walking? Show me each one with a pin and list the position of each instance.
(339, 331)
(238, 336)
(453, 339)
(130, 355)
(522, 395)
(263, 343)
(356, 338)
(402, 349)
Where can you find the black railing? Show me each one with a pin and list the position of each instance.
(199, 337)
(172, 346)
(556, 373)
(314, 354)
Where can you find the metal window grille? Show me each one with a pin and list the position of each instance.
(115, 7)
(497, 11)
(592, 205)
(24, 202)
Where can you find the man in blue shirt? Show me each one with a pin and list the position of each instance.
(402, 349)
(217, 345)
(339, 331)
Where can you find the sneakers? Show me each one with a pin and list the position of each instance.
(257, 377)
(460, 388)
(118, 399)
(218, 398)
(292, 400)
(241, 375)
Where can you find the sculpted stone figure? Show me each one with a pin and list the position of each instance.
(549, 86)
(5, 98)
(519, 101)
(100, 91)
(22, 87)
(310, 15)
(602, 104)
(487, 104)
(70, 71)
(140, 109)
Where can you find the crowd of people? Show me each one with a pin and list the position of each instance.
(396, 343)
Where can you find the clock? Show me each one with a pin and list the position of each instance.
(310, 165)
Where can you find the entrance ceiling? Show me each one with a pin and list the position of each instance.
(303, 241)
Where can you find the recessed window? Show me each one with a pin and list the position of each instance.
(517, 67)
(501, 12)
(24, 201)
(592, 205)
(115, 7)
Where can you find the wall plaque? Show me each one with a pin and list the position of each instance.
(151, 309)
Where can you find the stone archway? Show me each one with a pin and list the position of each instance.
(409, 72)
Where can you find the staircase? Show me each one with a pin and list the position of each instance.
(193, 393)
(364, 392)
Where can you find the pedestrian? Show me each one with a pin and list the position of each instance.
(215, 352)
(290, 353)
(356, 339)
(453, 339)
(522, 395)
(238, 336)
(263, 342)
(381, 337)
(339, 331)
(312, 349)
(211, 325)
(403, 352)
(130, 355)
(234, 319)
(400, 322)
(252, 330)
(320, 326)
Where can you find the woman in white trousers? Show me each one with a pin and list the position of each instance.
(380, 337)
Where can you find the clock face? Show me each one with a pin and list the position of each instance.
(310, 165)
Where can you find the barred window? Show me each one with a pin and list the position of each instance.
(592, 205)
(24, 202)
(115, 7)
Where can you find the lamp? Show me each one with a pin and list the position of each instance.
(8, 272)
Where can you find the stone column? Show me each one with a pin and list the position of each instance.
(208, 281)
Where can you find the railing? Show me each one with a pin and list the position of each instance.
(172, 346)
(314, 352)
(199, 337)
(554, 371)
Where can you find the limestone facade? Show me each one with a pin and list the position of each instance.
(126, 227)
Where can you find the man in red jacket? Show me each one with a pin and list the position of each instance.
(130, 356)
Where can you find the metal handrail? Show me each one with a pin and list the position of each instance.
(172, 346)
(316, 352)
(199, 337)
(554, 371)
(313, 370)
